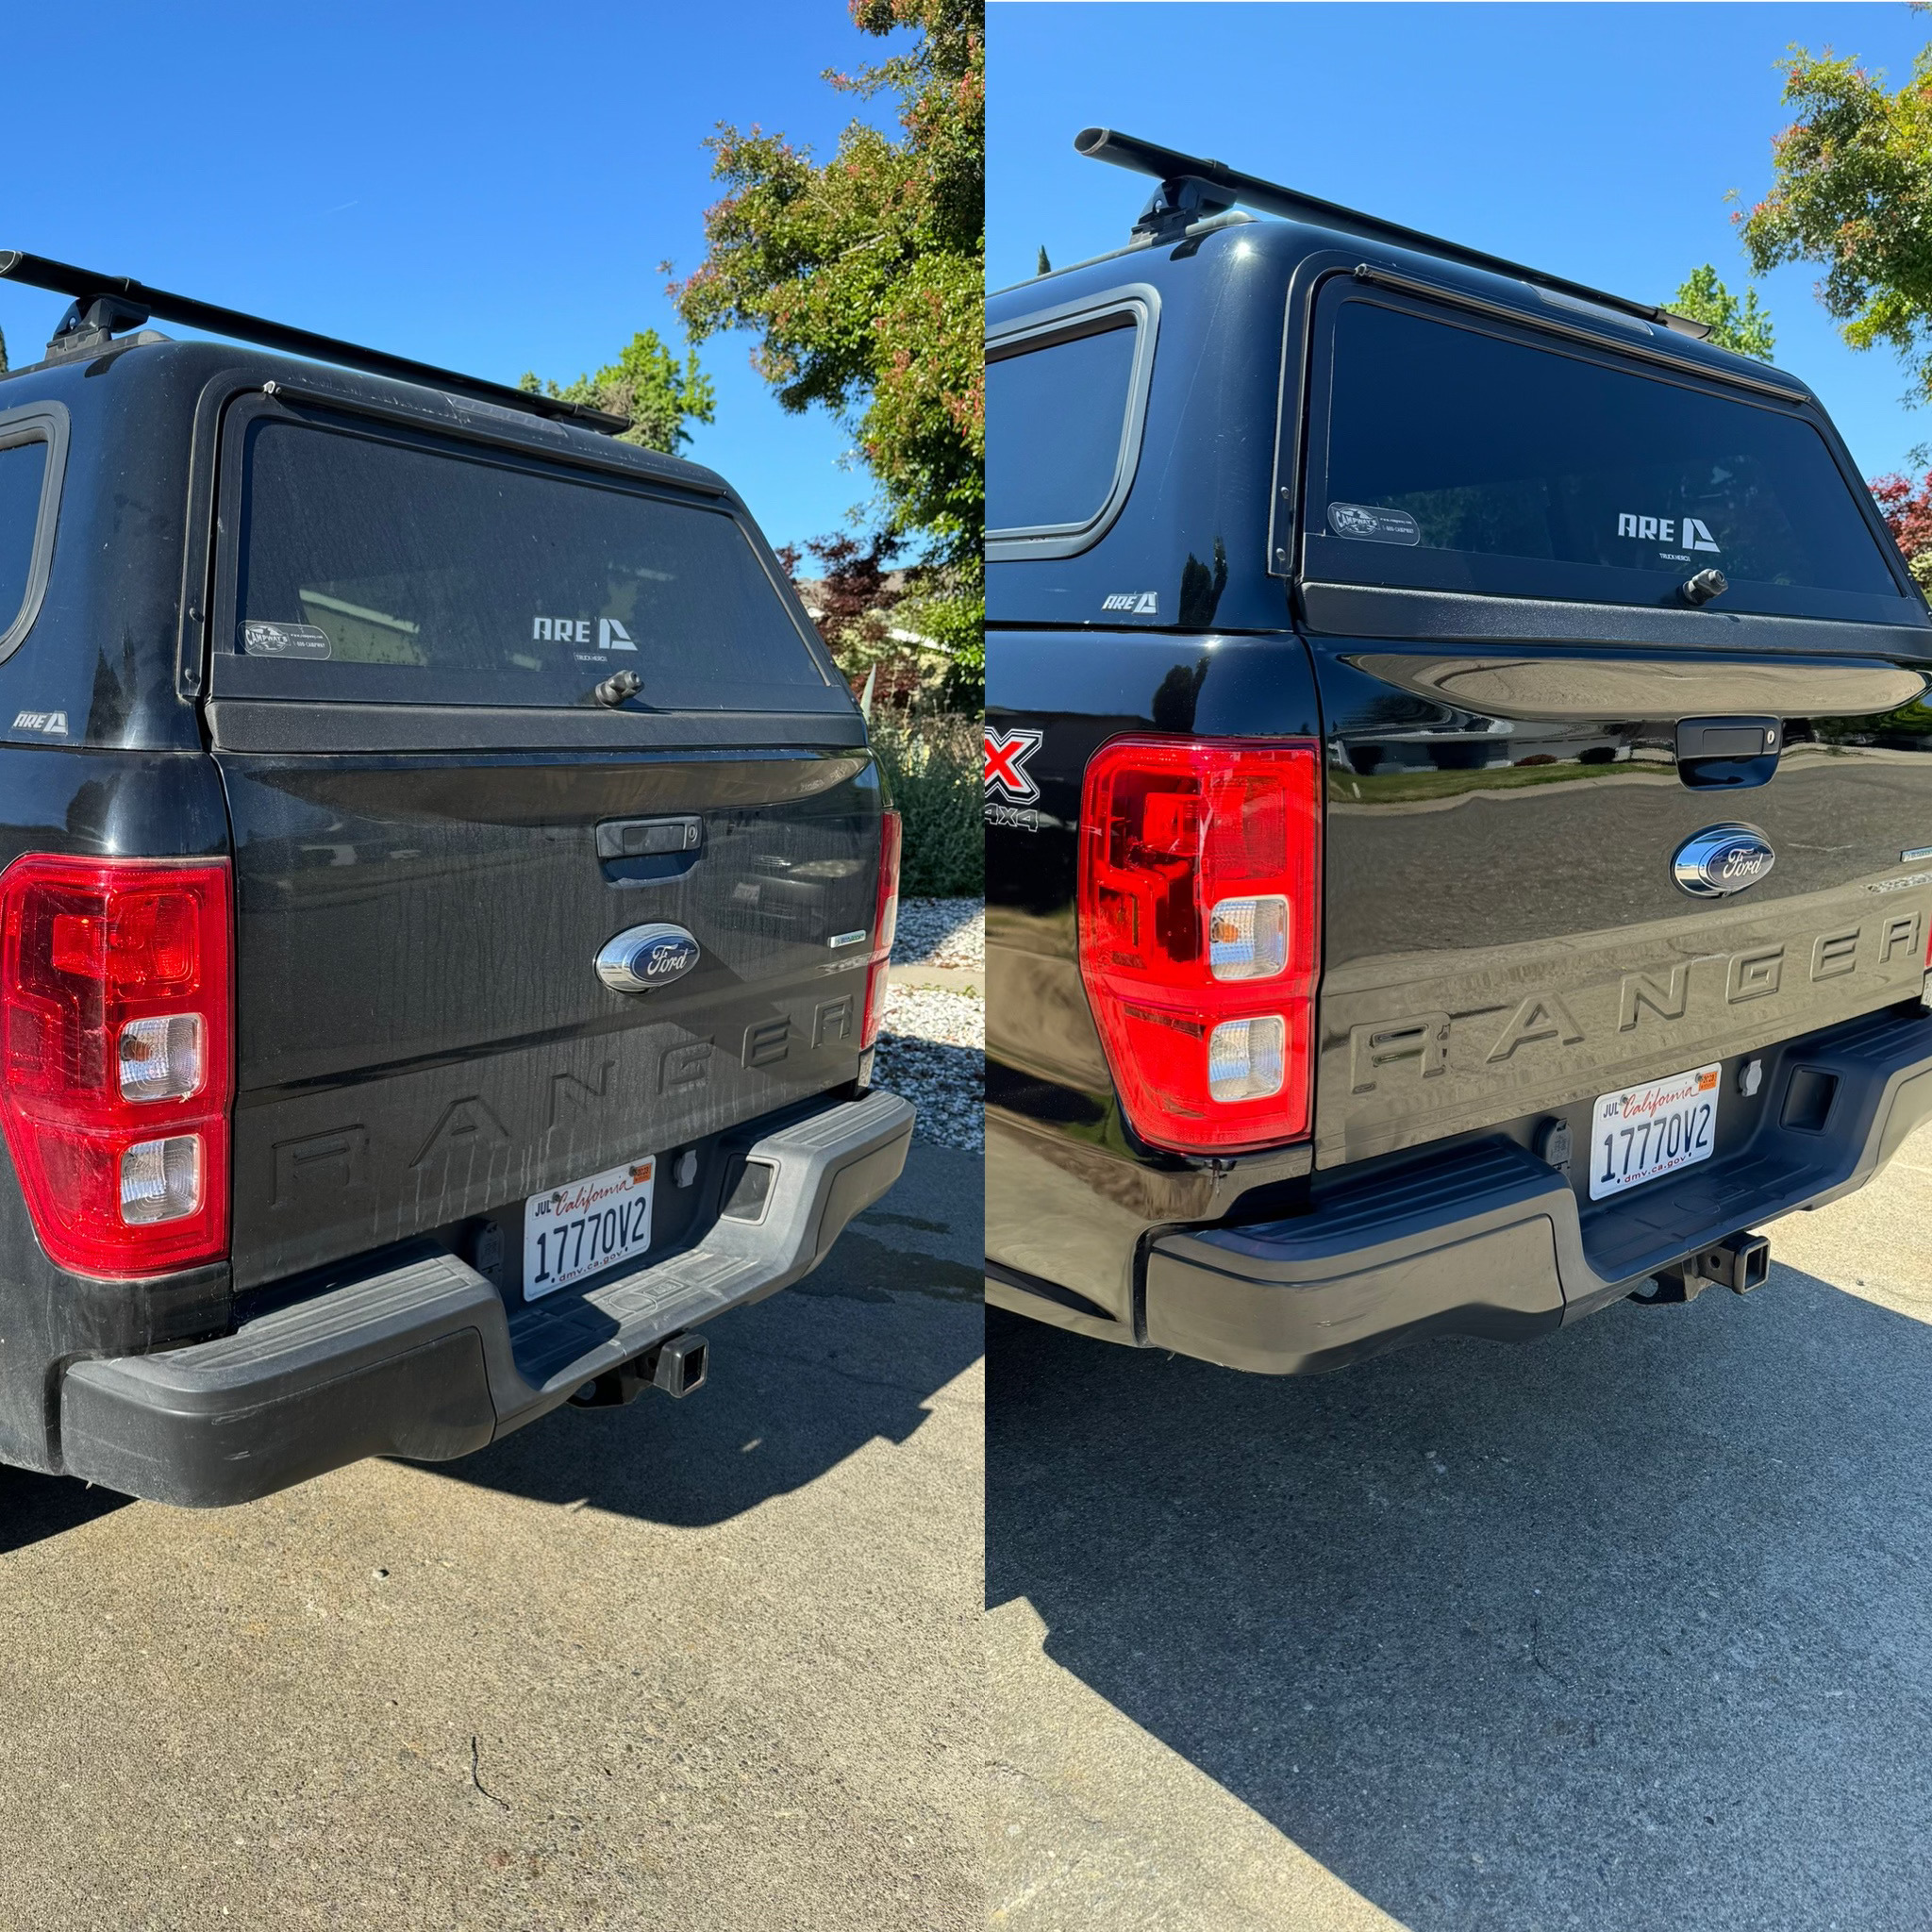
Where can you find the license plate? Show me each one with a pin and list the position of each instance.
(585, 1227)
(1645, 1132)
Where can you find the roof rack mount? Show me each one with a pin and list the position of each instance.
(103, 304)
(1193, 186)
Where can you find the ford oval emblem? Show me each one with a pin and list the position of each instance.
(646, 955)
(1721, 859)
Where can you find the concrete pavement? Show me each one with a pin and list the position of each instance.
(709, 1665)
(1629, 1628)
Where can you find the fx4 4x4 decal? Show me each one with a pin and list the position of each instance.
(1007, 753)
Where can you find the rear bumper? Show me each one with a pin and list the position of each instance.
(425, 1361)
(1488, 1241)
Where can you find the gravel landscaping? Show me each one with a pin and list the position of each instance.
(941, 932)
(932, 1049)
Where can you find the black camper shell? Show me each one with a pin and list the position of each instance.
(428, 852)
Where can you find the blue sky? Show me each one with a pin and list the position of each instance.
(1596, 141)
(487, 186)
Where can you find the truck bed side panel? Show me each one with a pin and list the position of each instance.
(1070, 1194)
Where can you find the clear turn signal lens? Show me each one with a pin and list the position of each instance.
(1247, 939)
(162, 1059)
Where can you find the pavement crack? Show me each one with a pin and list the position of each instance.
(476, 1780)
(1535, 1654)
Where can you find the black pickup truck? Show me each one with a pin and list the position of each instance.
(444, 904)
(1458, 793)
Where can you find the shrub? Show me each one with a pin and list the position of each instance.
(933, 763)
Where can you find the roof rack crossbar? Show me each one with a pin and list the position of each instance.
(1184, 179)
(121, 293)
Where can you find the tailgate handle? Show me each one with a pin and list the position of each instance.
(1728, 751)
(648, 838)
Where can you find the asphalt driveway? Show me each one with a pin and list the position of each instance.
(700, 1664)
(1629, 1628)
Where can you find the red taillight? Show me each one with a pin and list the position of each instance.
(116, 1065)
(1200, 914)
(885, 924)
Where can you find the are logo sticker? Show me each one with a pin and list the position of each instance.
(1696, 533)
(1142, 602)
(612, 636)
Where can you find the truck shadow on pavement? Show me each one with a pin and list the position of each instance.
(1630, 1627)
(798, 1383)
(34, 1506)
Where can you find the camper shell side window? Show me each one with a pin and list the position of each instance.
(33, 457)
(1066, 402)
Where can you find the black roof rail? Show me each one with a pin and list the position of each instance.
(103, 304)
(1192, 188)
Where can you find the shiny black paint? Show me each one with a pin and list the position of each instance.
(1069, 1190)
(1195, 529)
(1208, 523)
(1502, 799)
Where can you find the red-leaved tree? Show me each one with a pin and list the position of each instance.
(1906, 508)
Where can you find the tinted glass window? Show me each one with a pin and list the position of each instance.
(1055, 421)
(23, 470)
(1447, 442)
(423, 573)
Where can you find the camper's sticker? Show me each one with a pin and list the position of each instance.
(1373, 525)
(284, 640)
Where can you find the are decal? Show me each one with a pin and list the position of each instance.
(1695, 533)
(611, 635)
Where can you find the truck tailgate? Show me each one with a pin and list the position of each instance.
(1504, 930)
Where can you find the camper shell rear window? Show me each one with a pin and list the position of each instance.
(373, 564)
(1454, 454)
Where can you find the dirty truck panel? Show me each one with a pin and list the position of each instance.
(446, 891)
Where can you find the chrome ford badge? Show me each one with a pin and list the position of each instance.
(1721, 859)
(646, 955)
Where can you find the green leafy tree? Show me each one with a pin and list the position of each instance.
(3, 352)
(1733, 324)
(649, 385)
(1853, 193)
(864, 279)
